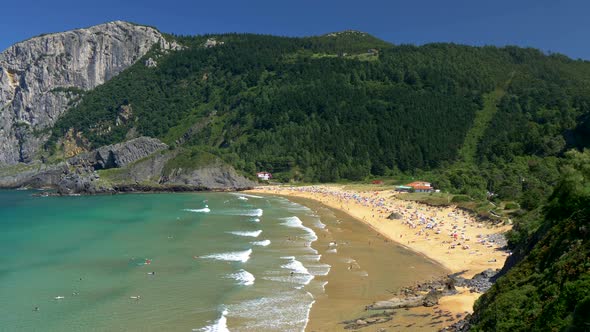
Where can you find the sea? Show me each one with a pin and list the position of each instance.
(157, 262)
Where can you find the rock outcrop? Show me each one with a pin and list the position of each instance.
(39, 76)
(35, 175)
(123, 154)
(136, 165)
(214, 176)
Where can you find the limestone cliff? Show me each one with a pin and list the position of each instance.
(39, 76)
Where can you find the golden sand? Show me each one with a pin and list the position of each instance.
(447, 235)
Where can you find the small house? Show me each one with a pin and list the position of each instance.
(421, 186)
(264, 176)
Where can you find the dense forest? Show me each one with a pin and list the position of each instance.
(473, 120)
(546, 286)
(503, 124)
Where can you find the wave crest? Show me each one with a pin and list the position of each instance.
(235, 256)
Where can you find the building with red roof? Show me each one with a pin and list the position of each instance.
(421, 186)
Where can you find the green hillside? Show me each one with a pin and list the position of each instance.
(549, 288)
(347, 105)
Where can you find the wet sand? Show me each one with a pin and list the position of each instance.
(394, 252)
(365, 267)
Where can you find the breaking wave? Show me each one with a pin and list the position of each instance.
(262, 243)
(235, 256)
(295, 222)
(249, 234)
(243, 277)
(203, 210)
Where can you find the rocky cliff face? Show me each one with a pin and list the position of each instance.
(119, 155)
(39, 76)
(215, 176)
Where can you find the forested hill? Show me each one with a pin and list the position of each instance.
(549, 288)
(347, 105)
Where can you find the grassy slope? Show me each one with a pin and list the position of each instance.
(467, 152)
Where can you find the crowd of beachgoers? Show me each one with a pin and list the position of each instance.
(452, 227)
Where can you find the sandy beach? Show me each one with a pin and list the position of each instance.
(449, 236)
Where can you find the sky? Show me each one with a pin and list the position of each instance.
(558, 26)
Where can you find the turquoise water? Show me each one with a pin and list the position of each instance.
(220, 261)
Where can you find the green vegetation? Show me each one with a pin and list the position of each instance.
(489, 123)
(548, 289)
(468, 152)
(189, 159)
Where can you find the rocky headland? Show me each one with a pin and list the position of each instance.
(40, 78)
(137, 165)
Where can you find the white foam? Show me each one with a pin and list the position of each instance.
(219, 326)
(249, 234)
(299, 269)
(249, 213)
(312, 258)
(295, 222)
(255, 219)
(247, 195)
(242, 212)
(281, 311)
(235, 256)
(319, 224)
(262, 243)
(319, 270)
(256, 213)
(243, 277)
(203, 210)
(242, 198)
(295, 265)
(331, 251)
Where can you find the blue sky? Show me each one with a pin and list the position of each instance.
(561, 26)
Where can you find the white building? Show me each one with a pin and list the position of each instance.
(264, 176)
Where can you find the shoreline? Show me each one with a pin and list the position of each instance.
(360, 261)
(130, 189)
(466, 252)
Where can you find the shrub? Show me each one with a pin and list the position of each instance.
(461, 198)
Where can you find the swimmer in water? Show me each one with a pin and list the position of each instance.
(36, 308)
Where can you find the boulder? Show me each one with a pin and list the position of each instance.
(394, 216)
(397, 303)
(431, 299)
